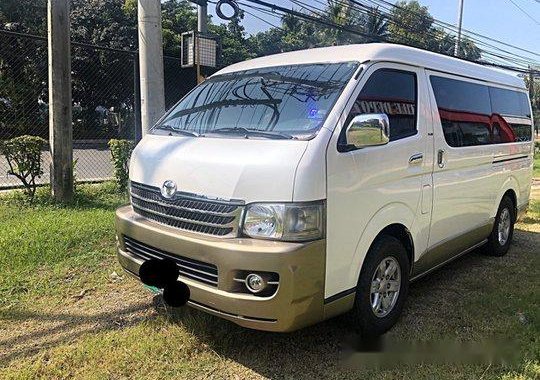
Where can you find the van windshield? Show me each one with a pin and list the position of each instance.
(275, 102)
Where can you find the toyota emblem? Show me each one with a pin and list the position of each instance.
(168, 189)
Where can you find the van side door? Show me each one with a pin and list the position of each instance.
(371, 188)
(463, 185)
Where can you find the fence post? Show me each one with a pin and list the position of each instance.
(137, 98)
(60, 123)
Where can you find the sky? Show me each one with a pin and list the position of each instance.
(498, 19)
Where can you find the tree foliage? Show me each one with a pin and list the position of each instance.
(23, 155)
(120, 155)
(104, 80)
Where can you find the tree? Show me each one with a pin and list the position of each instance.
(411, 24)
(375, 25)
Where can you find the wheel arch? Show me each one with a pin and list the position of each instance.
(510, 188)
(394, 220)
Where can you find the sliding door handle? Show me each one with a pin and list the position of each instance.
(440, 158)
(416, 158)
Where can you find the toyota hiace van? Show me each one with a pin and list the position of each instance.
(288, 189)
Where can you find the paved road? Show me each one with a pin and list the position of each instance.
(93, 163)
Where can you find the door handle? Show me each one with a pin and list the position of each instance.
(440, 158)
(416, 158)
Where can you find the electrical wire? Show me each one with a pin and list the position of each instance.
(325, 22)
(525, 12)
(321, 13)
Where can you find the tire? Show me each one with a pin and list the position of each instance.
(367, 321)
(503, 229)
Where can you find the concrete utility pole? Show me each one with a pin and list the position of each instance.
(460, 21)
(202, 16)
(60, 128)
(531, 83)
(150, 62)
(202, 29)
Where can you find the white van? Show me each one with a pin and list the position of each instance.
(288, 189)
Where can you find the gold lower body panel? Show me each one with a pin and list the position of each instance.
(298, 301)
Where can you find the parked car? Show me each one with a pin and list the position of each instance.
(288, 189)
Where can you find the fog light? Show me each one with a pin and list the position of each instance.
(255, 283)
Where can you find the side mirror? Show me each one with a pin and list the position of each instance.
(369, 129)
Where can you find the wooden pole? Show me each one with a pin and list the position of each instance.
(60, 127)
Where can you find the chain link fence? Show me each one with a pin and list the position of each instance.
(104, 99)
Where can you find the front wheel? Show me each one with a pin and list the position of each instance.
(503, 229)
(382, 287)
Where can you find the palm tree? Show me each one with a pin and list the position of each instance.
(375, 25)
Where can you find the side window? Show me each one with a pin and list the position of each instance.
(515, 106)
(464, 109)
(393, 92)
(475, 114)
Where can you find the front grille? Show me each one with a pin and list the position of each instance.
(187, 211)
(190, 268)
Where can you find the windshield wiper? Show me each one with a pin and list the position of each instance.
(177, 131)
(253, 132)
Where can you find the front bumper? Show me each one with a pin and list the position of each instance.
(298, 301)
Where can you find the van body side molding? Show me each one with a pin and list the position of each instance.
(339, 295)
(451, 249)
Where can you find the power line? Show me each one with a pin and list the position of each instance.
(523, 61)
(514, 58)
(524, 12)
(331, 24)
(453, 27)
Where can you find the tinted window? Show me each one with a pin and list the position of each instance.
(508, 102)
(474, 114)
(392, 92)
(459, 96)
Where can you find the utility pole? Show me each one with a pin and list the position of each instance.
(60, 124)
(460, 21)
(202, 16)
(531, 84)
(150, 63)
(202, 29)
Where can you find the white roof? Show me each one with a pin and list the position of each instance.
(382, 52)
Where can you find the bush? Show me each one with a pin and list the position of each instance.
(23, 155)
(120, 154)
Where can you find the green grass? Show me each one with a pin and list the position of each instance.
(49, 252)
(44, 242)
(536, 173)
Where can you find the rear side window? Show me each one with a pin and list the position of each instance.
(475, 114)
(509, 103)
(394, 93)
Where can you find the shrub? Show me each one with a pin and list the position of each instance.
(120, 154)
(23, 155)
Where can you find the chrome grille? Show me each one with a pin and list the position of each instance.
(187, 211)
(190, 268)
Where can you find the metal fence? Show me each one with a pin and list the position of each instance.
(104, 99)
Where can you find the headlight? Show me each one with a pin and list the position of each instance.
(285, 221)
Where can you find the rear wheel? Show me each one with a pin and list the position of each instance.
(503, 230)
(382, 287)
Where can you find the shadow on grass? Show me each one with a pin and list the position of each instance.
(442, 305)
(65, 327)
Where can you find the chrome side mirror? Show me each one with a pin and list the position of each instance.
(369, 129)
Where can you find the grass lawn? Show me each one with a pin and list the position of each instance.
(536, 173)
(67, 310)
